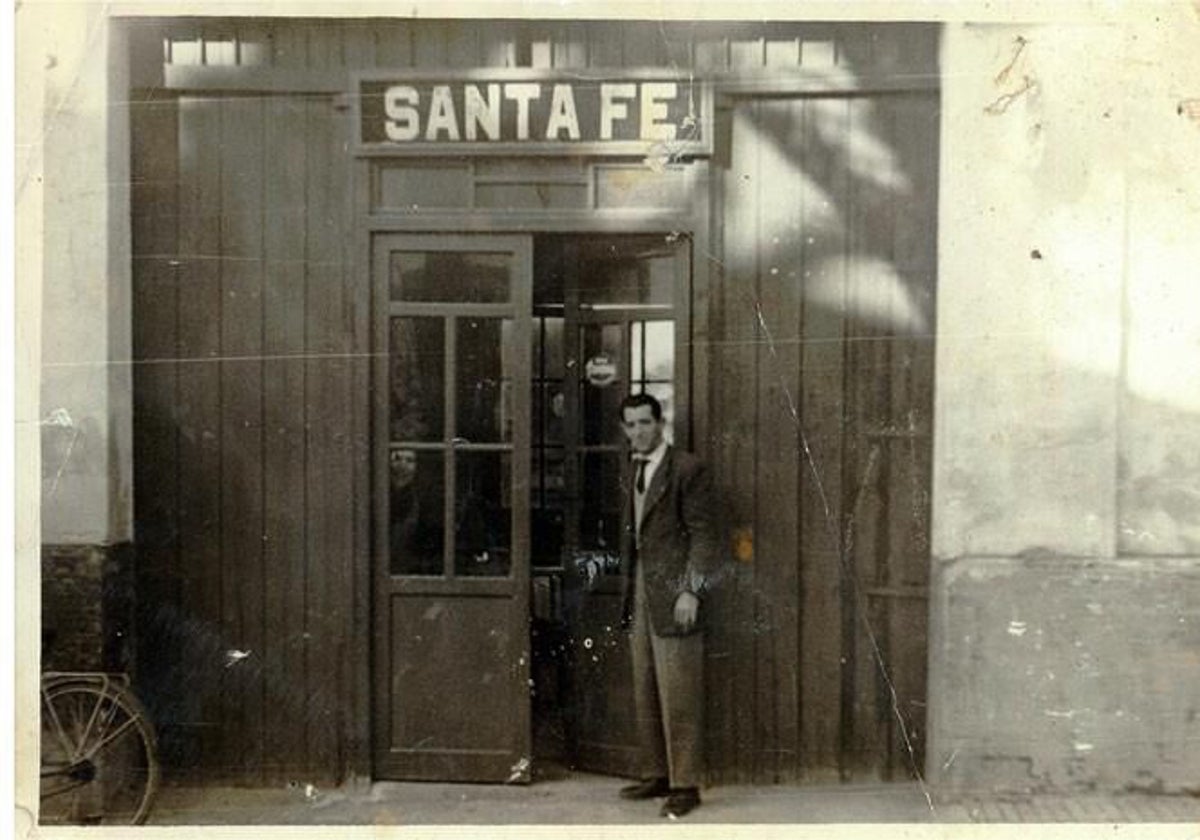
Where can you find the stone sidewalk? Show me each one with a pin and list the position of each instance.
(592, 800)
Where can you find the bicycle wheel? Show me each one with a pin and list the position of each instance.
(99, 756)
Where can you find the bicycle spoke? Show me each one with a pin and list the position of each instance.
(111, 737)
(60, 732)
(105, 718)
(69, 787)
(110, 771)
(101, 697)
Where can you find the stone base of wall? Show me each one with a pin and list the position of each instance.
(87, 607)
(1052, 674)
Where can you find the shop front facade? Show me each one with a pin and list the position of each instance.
(387, 283)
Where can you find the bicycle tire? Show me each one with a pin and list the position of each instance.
(99, 755)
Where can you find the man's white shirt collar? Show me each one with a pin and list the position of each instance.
(656, 455)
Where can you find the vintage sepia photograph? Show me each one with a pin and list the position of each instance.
(472, 415)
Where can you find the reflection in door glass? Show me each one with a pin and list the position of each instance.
(652, 350)
(415, 511)
(449, 276)
(482, 513)
(600, 516)
(484, 380)
(549, 437)
(417, 359)
(652, 359)
(637, 271)
(548, 483)
(602, 384)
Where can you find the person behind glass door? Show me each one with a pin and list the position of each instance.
(668, 551)
(404, 516)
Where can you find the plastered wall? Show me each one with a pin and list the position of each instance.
(1066, 593)
(85, 394)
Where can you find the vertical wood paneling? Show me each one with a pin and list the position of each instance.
(914, 138)
(429, 45)
(324, 45)
(280, 579)
(154, 168)
(328, 476)
(358, 683)
(781, 244)
(766, 534)
(290, 40)
(462, 43)
(867, 205)
(711, 53)
(737, 373)
(200, 478)
(642, 45)
(571, 46)
(358, 44)
(242, 579)
(393, 44)
(284, 457)
(821, 406)
(605, 47)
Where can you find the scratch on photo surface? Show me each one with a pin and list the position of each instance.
(61, 418)
(1027, 84)
(1021, 43)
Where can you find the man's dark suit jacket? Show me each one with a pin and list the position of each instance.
(678, 539)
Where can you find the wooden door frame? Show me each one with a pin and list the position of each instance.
(694, 222)
(514, 585)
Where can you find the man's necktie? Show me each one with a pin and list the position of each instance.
(640, 483)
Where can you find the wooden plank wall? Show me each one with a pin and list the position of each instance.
(251, 406)
(875, 50)
(821, 399)
(244, 422)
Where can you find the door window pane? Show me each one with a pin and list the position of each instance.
(600, 514)
(550, 360)
(659, 362)
(484, 380)
(548, 525)
(550, 412)
(602, 384)
(417, 361)
(482, 514)
(449, 276)
(635, 272)
(415, 511)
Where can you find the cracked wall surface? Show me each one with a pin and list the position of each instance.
(1066, 579)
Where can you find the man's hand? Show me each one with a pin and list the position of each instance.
(687, 605)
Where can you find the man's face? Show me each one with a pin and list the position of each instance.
(644, 432)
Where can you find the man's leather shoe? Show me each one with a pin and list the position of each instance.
(680, 801)
(646, 789)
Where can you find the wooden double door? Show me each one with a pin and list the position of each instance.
(502, 361)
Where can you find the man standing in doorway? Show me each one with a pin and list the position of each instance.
(668, 551)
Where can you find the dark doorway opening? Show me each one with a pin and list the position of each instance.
(608, 311)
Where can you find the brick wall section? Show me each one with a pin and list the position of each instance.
(86, 607)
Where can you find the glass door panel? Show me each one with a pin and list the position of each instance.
(417, 365)
(453, 496)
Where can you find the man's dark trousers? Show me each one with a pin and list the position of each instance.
(668, 692)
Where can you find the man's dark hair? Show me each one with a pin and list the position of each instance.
(638, 400)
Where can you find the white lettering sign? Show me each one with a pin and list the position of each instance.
(627, 115)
